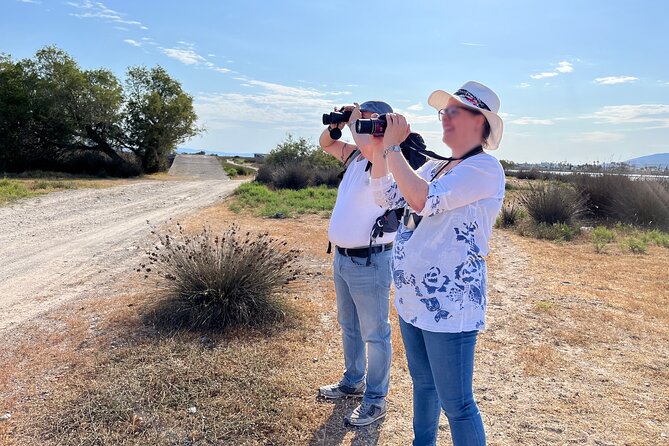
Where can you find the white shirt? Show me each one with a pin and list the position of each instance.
(355, 210)
(439, 268)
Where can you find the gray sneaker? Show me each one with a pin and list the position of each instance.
(340, 390)
(367, 413)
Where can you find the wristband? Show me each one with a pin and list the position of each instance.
(387, 150)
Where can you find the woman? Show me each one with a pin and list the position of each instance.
(439, 266)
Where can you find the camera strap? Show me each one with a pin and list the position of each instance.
(475, 151)
(412, 219)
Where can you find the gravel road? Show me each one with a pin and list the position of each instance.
(74, 244)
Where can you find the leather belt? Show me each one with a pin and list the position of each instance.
(363, 252)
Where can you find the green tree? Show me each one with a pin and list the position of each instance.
(159, 115)
(54, 115)
(507, 164)
(15, 112)
(294, 151)
(80, 110)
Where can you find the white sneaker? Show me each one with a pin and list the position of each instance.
(340, 390)
(367, 413)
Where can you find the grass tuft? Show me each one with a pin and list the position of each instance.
(219, 281)
(553, 204)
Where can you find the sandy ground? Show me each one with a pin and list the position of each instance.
(75, 244)
(571, 356)
(576, 353)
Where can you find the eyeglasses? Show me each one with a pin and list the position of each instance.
(452, 111)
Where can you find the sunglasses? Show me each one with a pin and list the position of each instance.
(453, 110)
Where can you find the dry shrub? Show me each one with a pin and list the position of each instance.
(553, 204)
(213, 281)
(509, 215)
(619, 198)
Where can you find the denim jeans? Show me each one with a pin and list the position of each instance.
(441, 367)
(363, 303)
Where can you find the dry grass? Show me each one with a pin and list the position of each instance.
(576, 353)
(538, 360)
(12, 189)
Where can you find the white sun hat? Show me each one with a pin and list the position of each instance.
(476, 96)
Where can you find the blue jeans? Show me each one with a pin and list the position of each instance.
(441, 367)
(363, 303)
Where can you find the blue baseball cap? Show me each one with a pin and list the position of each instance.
(379, 107)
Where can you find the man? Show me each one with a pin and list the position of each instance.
(362, 277)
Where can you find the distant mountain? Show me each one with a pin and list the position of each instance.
(658, 160)
(209, 152)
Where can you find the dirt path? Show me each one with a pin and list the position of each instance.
(76, 244)
(198, 166)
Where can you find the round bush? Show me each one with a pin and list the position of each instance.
(554, 204)
(220, 281)
(292, 176)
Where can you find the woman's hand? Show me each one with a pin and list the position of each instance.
(397, 130)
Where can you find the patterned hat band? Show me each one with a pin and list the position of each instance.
(467, 96)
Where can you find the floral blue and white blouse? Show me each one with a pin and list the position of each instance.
(439, 268)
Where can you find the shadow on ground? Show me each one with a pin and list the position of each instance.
(333, 431)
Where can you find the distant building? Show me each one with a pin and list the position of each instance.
(259, 156)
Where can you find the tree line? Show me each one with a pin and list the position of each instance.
(56, 116)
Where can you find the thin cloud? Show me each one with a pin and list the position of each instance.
(472, 44)
(34, 2)
(527, 120)
(597, 137)
(293, 91)
(612, 80)
(185, 56)
(543, 75)
(415, 107)
(280, 106)
(562, 67)
(132, 42)
(565, 67)
(619, 114)
(655, 114)
(523, 85)
(97, 10)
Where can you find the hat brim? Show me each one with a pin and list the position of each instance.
(439, 100)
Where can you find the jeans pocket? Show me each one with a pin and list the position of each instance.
(362, 261)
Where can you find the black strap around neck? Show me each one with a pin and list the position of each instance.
(475, 151)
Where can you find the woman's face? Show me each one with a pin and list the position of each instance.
(462, 129)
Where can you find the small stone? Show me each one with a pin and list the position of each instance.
(278, 215)
(207, 342)
(6, 417)
(192, 409)
(314, 359)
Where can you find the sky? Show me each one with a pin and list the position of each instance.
(579, 81)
